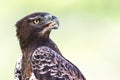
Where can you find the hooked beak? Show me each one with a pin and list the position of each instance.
(51, 23)
(54, 23)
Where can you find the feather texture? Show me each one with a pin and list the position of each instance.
(49, 65)
(41, 59)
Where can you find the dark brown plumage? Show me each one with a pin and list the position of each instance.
(41, 59)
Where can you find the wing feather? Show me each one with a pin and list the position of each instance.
(49, 65)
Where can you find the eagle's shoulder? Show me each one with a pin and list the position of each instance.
(47, 61)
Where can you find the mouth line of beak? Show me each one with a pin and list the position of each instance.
(51, 25)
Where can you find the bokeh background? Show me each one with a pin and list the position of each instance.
(89, 34)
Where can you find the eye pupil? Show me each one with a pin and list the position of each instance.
(37, 21)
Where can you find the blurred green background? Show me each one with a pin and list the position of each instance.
(89, 34)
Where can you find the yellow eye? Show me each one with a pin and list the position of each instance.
(36, 21)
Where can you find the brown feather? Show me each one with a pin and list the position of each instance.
(32, 38)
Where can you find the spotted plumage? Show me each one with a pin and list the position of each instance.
(18, 67)
(45, 60)
(41, 59)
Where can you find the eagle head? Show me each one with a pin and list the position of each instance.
(40, 23)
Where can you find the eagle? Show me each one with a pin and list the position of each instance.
(41, 59)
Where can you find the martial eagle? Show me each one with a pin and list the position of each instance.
(41, 59)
